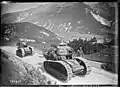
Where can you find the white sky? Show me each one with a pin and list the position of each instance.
(13, 7)
(90, 3)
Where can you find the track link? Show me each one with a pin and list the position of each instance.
(69, 70)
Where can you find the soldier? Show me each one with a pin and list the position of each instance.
(52, 52)
(80, 52)
(25, 44)
(54, 47)
(21, 44)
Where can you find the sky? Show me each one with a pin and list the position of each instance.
(9, 7)
(14, 7)
(90, 3)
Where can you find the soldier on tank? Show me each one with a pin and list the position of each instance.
(52, 52)
(54, 47)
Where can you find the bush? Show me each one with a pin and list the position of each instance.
(109, 67)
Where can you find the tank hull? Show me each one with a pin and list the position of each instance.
(22, 52)
(64, 70)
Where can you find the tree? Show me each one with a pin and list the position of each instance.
(87, 46)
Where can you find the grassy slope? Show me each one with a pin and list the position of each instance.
(106, 56)
(100, 56)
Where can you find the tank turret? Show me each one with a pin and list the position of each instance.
(62, 51)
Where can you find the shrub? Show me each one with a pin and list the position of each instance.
(87, 46)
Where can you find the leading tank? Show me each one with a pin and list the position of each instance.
(60, 52)
(61, 64)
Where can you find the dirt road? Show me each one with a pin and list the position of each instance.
(96, 76)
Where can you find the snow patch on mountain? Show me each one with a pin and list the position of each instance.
(22, 16)
(44, 42)
(45, 33)
(101, 19)
(35, 22)
(27, 40)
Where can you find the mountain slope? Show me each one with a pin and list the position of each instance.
(62, 19)
(13, 31)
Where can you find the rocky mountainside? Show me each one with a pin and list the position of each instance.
(12, 32)
(63, 19)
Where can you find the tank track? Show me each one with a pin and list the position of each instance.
(69, 70)
(67, 67)
(87, 66)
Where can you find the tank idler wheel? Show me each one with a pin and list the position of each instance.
(85, 68)
(20, 52)
(88, 69)
(32, 50)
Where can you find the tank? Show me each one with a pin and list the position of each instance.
(64, 70)
(23, 49)
(60, 52)
(62, 65)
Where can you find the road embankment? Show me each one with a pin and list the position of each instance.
(14, 71)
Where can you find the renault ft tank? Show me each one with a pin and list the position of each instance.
(64, 68)
(61, 52)
(23, 49)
